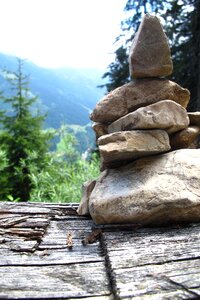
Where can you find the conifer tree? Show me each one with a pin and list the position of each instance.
(22, 137)
(118, 73)
(183, 28)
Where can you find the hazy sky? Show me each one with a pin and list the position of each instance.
(57, 33)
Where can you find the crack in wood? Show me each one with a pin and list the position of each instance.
(160, 263)
(9, 222)
(118, 227)
(52, 263)
(180, 285)
(110, 274)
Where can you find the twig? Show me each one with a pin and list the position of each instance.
(69, 241)
(92, 237)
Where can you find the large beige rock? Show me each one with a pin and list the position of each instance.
(194, 118)
(166, 114)
(133, 95)
(150, 52)
(185, 138)
(153, 190)
(130, 145)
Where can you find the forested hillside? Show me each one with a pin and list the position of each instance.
(66, 95)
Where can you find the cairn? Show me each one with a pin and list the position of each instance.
(135, 124)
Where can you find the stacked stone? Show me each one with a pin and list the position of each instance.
(142, 118)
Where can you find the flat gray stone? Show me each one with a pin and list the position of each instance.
(166, 114)
(150, 53)
(130, 145)
(139, 93)
(154, 190)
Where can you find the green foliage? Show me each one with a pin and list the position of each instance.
(3, 160)
(66, 147)
(28, 171)
(4, 190)
(64, 173)
(84, 135)
(22, 139)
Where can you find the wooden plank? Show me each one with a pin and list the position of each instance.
(155, 263)
(19, 244)
(35, 261)
(26, 221)
(37, 208)
(23, 208)
(53, 256)
(22, 232)
(124, 262)
(57, 231)
(147, 246)
(180, 278)
(58, 281)
(24, 235)
(8, 222)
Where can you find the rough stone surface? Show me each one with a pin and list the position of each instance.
(185, 138)
(153, 190)
(194, 118)
(87, 188)
(150, 52)
(165, 114)
(133, 95)
(130, 145)
(100, 129)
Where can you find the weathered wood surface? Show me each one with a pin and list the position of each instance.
(45, 254)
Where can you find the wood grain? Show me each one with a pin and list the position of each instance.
(120, 262)
(162, 263)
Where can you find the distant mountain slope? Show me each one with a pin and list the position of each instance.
(67, 95)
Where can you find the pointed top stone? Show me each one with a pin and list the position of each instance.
(150, 52)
